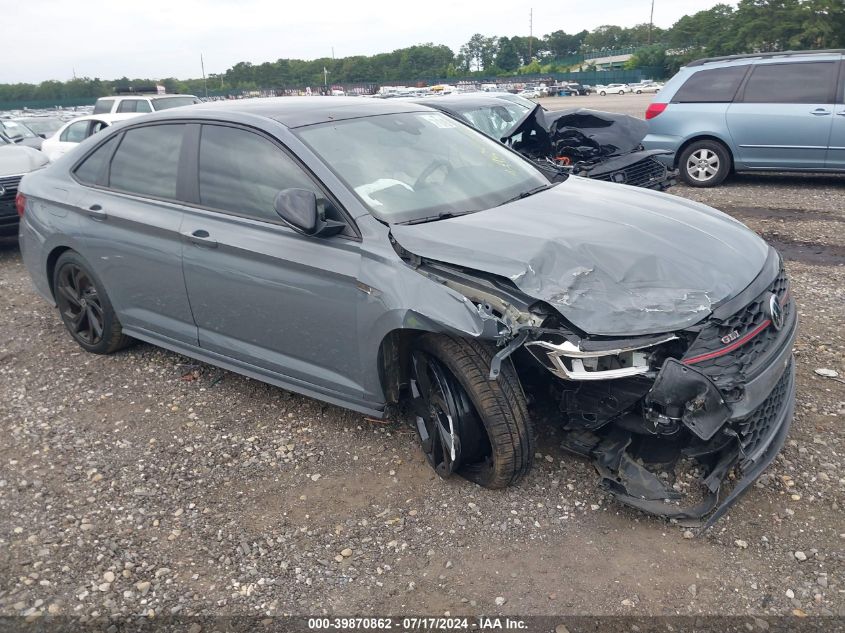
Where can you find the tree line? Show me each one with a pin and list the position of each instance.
(753, 26)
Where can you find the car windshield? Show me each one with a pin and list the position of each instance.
(16, 130)
(165, 103)
(420, 165)
(495, 120)
(46, 125)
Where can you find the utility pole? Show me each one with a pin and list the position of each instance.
(204, 84)
(332, 52)
(651, 22)
(531, 31)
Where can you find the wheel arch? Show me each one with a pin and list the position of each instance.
(50, 265)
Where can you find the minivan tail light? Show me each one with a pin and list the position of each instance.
(20, 203)
(654, 109)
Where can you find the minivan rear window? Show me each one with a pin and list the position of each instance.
(805, 82)
(715, 85)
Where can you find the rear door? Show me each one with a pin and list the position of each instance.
(262, 293)
(130, 221)
(782, 116)
(836, 148)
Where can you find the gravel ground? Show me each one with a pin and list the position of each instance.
(144, 483)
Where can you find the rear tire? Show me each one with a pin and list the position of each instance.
(491, 429)
(85, 307)
(704, 163)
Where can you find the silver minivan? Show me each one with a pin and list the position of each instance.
(768, 111)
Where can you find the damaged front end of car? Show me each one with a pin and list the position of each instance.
(592, 144)
(677, 424)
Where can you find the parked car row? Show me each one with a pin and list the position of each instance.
(383, 255)
(621, 89)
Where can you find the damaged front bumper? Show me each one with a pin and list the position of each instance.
(688, 454)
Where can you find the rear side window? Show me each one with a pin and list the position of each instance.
(93, 167)
(242, 172)
(147, 161)
(716, 85)
(75, 132)
(810, 82)
(103, 106)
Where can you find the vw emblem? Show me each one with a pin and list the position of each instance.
(2, 190)
(775, 312)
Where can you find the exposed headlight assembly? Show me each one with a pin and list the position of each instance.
(568, 361)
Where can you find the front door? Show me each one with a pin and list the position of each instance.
(782, 117)
(836, 147)
(260, 292)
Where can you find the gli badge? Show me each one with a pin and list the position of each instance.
(729, 338)
(775, 312)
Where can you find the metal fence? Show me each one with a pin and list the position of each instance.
(34, 104)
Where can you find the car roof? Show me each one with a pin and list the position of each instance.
(143, 96)
(780, 56)
(108, 118)
(463, 102)
(295, 111)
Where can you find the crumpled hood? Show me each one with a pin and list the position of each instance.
(613, 260)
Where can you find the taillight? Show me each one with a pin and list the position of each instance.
(20, 203)
(654, 109)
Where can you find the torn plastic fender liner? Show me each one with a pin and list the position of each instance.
(681, 393)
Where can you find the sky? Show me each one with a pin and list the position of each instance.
(52, 39)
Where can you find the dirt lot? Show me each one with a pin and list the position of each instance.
(144, 483)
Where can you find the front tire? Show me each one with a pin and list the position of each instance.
(603, 93)
(468, 424)
(705, 163)
(85, 307)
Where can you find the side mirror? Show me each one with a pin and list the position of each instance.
(300, 210)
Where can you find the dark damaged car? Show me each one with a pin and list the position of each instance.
(374, 254)
(581, 142)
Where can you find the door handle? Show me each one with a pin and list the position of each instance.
(95, 212)
(820, 112)
(841, 113)
(201, 237)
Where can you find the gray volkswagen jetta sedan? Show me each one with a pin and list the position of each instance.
(386, 258)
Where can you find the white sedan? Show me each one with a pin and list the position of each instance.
(611, 89)
(74, 132)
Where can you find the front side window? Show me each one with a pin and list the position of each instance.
(147, 161)
(420, 165)
(715, 85)
(93, 167)
(807, 82)
(241, 172)
(103, 106)
(76, 132)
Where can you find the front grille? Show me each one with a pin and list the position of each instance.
(647, 172)
(756, 431)
(739, 365)
(9, 186)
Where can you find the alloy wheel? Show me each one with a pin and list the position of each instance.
(442, 410)
(80, 304)
(703, 165)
